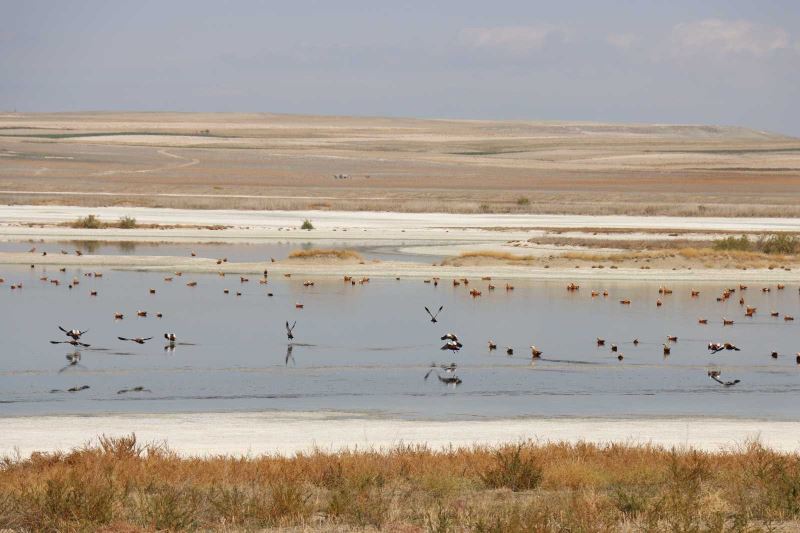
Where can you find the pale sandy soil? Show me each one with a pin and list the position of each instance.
(421, 234)
(287, 433)
(329, 220)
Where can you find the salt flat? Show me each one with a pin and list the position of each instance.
(288, 433)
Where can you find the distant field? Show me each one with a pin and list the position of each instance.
(265, 161)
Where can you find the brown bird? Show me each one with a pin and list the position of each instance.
(492, 346)
(192, 284)
(702, 321)
(141, 313)
(667, 349)
(727, 322)
(137, 340)
(535, 352)
(625, 302)
(715, 374)
(600, 342)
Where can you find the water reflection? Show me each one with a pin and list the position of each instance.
(368, 347)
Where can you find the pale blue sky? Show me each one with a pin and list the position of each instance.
(727, 62)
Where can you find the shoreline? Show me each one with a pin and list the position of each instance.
(288, 433)
(418, 235)
(394, 269)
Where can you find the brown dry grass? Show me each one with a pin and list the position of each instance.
(122, 485)
(326, 253)
(663, 258)
(495, 254)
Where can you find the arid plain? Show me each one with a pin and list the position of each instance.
(266, 161)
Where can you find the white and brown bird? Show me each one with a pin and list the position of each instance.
(715, 375)
(75, 334)
(453, 346)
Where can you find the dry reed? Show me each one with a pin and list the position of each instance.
(325, 253)
(123, 485)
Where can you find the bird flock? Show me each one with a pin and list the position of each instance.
(445, 373)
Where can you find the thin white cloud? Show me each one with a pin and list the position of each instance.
(622, 40)
(515, 39)
(728, 37)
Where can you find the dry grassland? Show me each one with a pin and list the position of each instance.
(121, 485)
(265, 161)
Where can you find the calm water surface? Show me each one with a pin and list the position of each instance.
(366, 348)
(240, 252)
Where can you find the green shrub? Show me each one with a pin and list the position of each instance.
(307, 225)
(88, 222)
(733, 243)
(523, 200)
(127, 223)
(779, 243)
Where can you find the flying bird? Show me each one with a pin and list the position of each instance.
(434, 316)
(452, 346)
(137, 340)
(290, 329)
(715, 374)
(72, 342)
(74, 333)
(134, 389)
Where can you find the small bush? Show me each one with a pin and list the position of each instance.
(733, 243)
(779, 244)
(307, 225)
(513, 471)
(88, 222)
(127, 223)
(523, 200)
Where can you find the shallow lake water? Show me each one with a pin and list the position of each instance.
(366, 348)
(238, 252)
